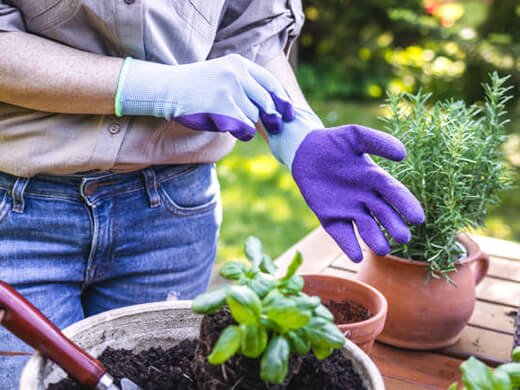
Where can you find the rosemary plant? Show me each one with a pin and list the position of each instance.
(455, 167)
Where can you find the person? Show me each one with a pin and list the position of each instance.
(112, 116)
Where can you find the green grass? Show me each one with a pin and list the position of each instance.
(260, 198)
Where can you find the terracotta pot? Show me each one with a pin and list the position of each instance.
(425, 316)
(362, 333)
(158, 324)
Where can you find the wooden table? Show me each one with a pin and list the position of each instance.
(488, 336)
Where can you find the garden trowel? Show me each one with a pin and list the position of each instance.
(25, 321)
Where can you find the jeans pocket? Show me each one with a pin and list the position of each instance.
(194, 191)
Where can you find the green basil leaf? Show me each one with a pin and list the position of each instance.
(254, 250)
(260, 286)
(226, 346)
(267, 265)
(476, 375)
(272, 297)
(323, 333)
(271, 325)
(453, 386)
(501, 380)
(298, 343)
(513, 370)
(293, 266)
(323, 312)
(293, 285)
(244, 304)
(254, 340)
(515, 355)
(304, 301)
(286, 314)
(232, 270)
(321, 352)
(275, 361)
(210, 301)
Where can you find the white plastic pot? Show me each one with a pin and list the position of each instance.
(139, 327)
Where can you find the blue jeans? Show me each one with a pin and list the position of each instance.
(81, 244)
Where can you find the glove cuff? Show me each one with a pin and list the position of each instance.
(122, 78)
(285, 144)
(143, 90)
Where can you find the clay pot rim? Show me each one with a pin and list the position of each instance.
(379, 316)
(473, 253)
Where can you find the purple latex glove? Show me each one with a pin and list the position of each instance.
(343, 186)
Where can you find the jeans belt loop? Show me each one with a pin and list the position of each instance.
(151, 184)
(18, 194)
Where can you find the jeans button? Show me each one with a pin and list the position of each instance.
(114, 128)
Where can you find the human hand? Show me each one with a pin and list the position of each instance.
(342, 185)
(229, 93)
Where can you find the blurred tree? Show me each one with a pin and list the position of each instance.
(359, 49)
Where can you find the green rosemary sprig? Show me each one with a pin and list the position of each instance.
(455, 167)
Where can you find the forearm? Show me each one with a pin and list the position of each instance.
(43, 75)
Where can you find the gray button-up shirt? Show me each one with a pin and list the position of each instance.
(163, 31)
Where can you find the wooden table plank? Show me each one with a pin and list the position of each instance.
(506, 269)
(401, 384)
(427, 369)
(491, 347)
(499, 291)
(498, 248)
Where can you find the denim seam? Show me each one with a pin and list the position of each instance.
(4, 208)
(50, 196)
(175, 175)
(172, 206)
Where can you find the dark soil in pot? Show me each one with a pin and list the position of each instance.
(347, 311)
(239, 370)
(185, 367)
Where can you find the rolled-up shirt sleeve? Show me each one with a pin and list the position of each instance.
(10, 18)
(258, 29)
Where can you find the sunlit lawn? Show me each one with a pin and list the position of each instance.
(261, 199)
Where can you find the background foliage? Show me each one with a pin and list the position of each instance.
(349, 53)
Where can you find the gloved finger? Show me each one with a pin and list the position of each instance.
(367, 140)
(371, 233)
(243, 129)
(278, 94)
(343, 233)
(269, 116)
(390, 219)
(400, 198)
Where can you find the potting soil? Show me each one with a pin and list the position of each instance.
(157, 369)
(347, 312)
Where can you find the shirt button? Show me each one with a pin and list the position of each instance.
(114, 128)
(129, 2)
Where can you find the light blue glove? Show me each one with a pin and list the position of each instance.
(229, 93)
(343, 186)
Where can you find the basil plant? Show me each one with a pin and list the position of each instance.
(477, 376)
(274, 317)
